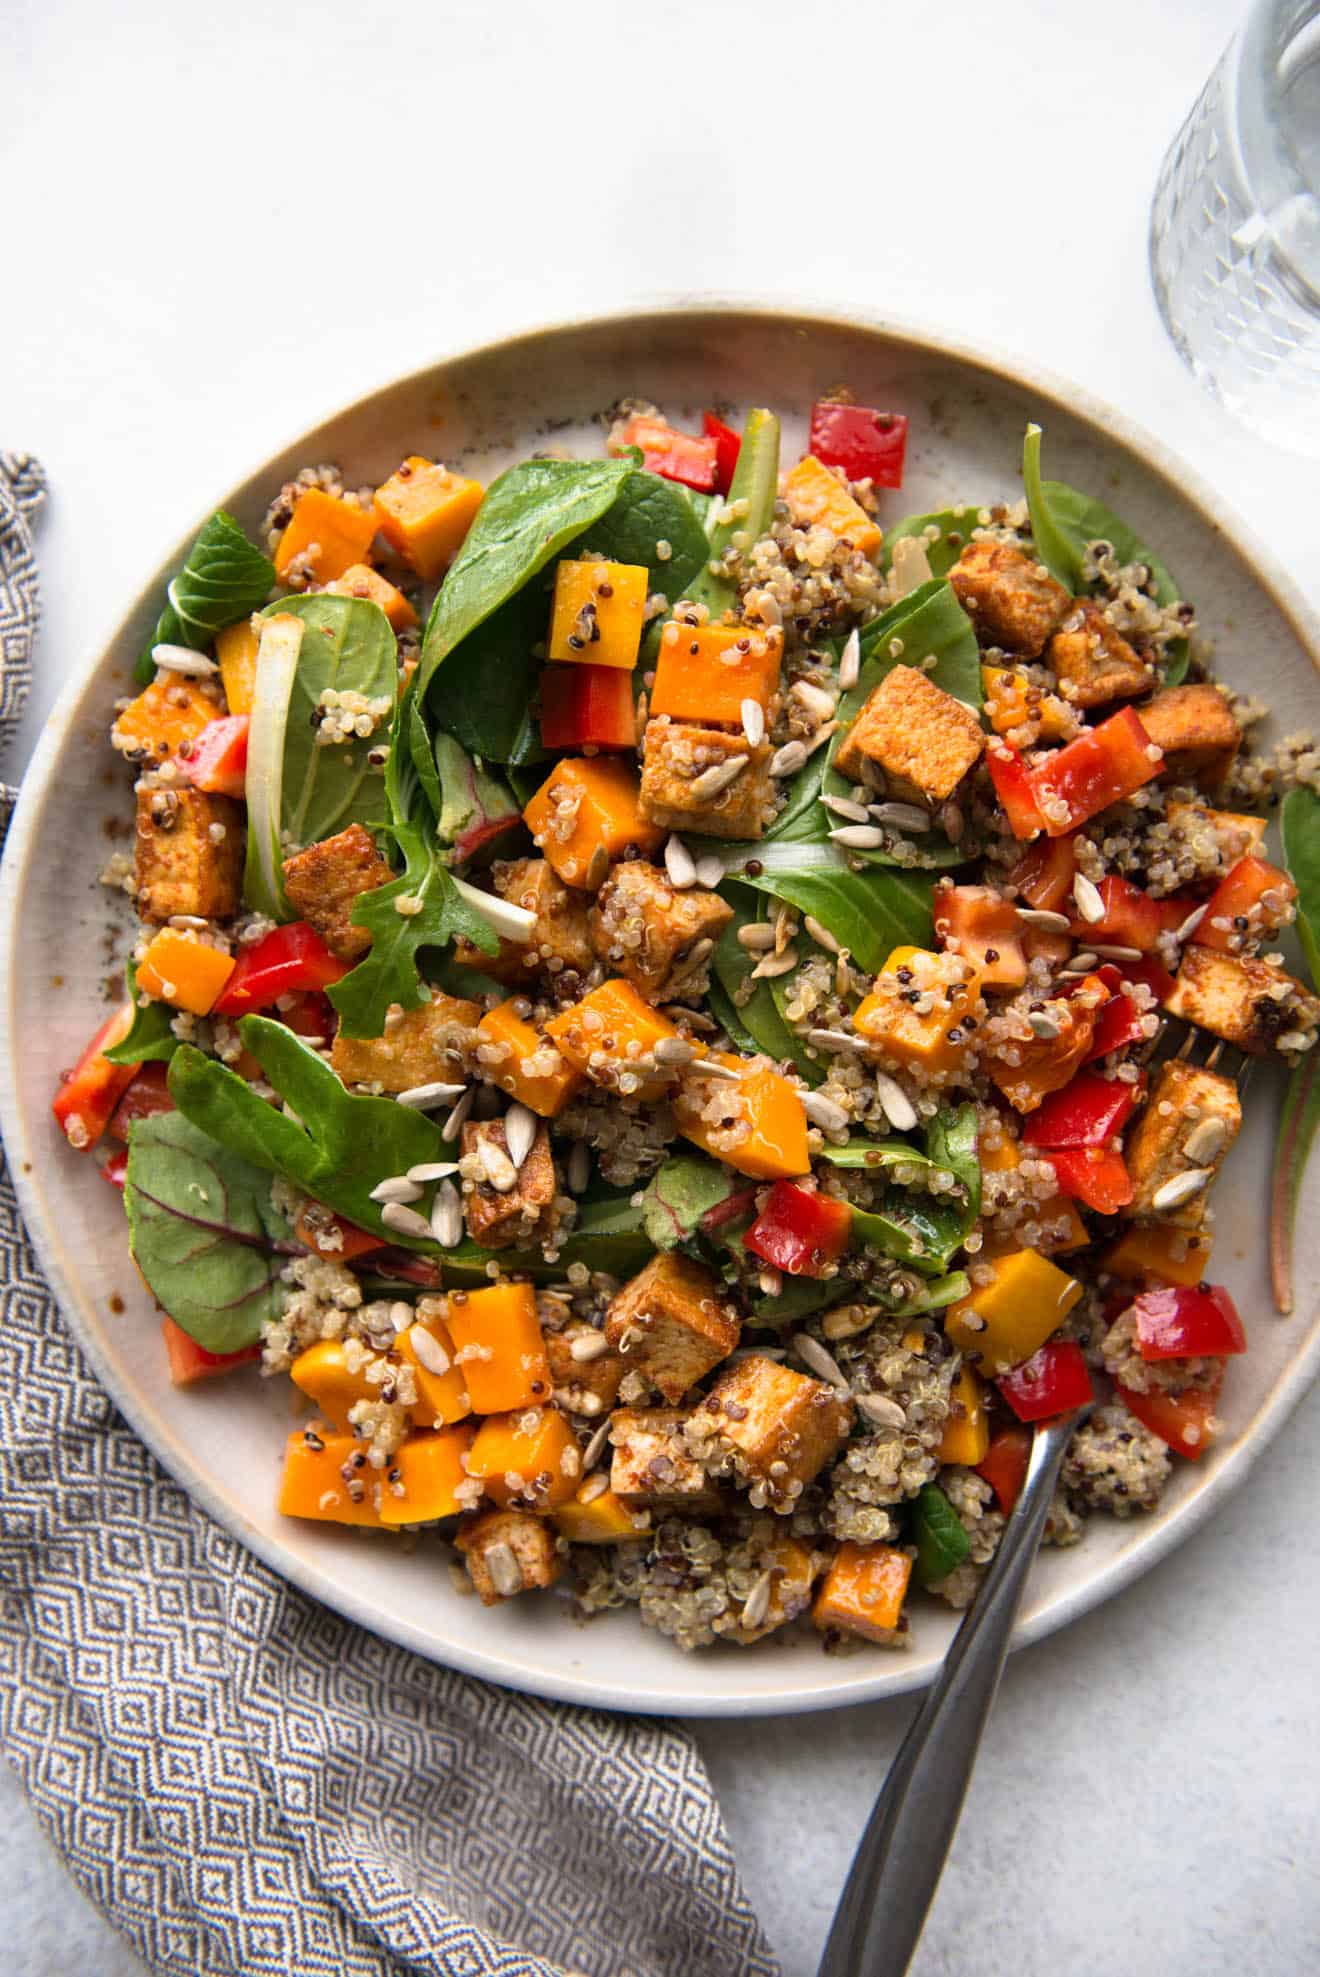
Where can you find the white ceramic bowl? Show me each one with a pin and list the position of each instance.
(223, 1442)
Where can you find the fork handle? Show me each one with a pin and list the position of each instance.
(901, 1856)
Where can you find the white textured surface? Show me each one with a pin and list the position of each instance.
(231, 221)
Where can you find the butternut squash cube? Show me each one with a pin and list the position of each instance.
(705, 672)
(673, 1322)
(611, 1037)
(1159, 1253)
(598, 613)
(425, 1477)
(966, 1431)
(508, 1552)
(442, 1397)
(326, 535)
(586, 814)
(236, 654)
(778, 1426)
(531, 1457)
(755, 1123)
(362, 581)
(497, 1343)
(171, 711)
(653, 1467)
(817, 497)
(180, 969)
(1005, 1321)
(322, 1373)
(314, 1485)
(530, 1067)
(424, 512)
(915, 1011)
(863, 1593)
(597, 1517)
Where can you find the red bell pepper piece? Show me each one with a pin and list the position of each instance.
(587, 707)
(89, 1093)
(867, 444)
(1090, 1111)
(148, 1094)
(1005, 1465)
(1015, 789)
(675, 456)
(216, 760)
(1097, 1178)
(190, 1362)
(1044, 874)
(1185, 1421)
(728, 445)
(333, 1236)
(283, 962)
(1252, 898)
(799, 1231)
(1185, 1321)
(1118, 1024)
(1132, 918)
(312, 1016)
(1102, 766)
(1152, 973)
(115, 1169)
(1053, 1381)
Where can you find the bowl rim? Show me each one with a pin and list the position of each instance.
(29, 1161)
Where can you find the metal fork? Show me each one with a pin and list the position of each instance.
(898, 1863)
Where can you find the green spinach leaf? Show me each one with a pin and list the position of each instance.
(942, 1543)
(951, 1143)
(1299, 825)
(680, 1193)
(224, 578)
(953, 531)
(347, 646)
(759, 1017)
(150, 1038)
(919, 1227)
(869, 912)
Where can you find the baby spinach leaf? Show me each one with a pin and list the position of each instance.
(203, 1231)
(953, 530)
(1057, 549)
(224, 578)
(150, 1038)
(920, 1228)
(951, 1143)
(1299, 826)
(729, 1017)
(801, 1297)
(339, 1146)
(679, 1195)
(347, 646)
(647, 511)
(913, 1228)
(870, 912)
(942, 1543)
(759, 1015)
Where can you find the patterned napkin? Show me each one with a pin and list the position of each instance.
(245, 1782)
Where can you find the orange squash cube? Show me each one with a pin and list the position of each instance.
(322, 1373)
(705, 672)
(967, 1431)
(442, 1398)
(756, 1124)
(611, 1036)
(598, 613)
(530, 1458)
(926, 1033)
(431, 1468)
(863, 1592)
(815, 495)
(180, 969)
(362, 581)
(531, 1069)
(1161, 1252)
(236, 655)
(1004, 1322)
(424, 512)
(313, 1485)
(497, 1343)
(172, 710)
(597, 1517)
(329, 533)
(586, 814)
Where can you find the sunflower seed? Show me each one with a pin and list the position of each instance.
(858, 837)
(1110, 953)
(821, 935)
(721, 776)
(710, 1067)
(753, 721)
(1206, 1140)
(846, 1321)
(1040, 916)
(813, 1354)
(178, 659)
(579, 1167)
(895, 1103)
(676, 1051)
(1090, 900)
(699, 952)
(197, 924)
(757, 1603)
(598, 868)
(432, 1170)
(710, 870)
(1191, 923)
(884, 1412)
(397, 1188)
(786, 761)
(819, 704)
(588, 1346)
(591, 1454)
(834, 1040)
(423, 1098)
(1042, 1026)
(453, 1125)
(901, 816)
(519, 1132)
(843, 806)
(773, 965)
(679, 864)
(910, 565)
(758, 936)
(850, 661)
(1082, 964)
(823, 1112)
(404, 1221)
(447, 1215)
(785, 929)
(1181, 1188)
(770, 1280)
(497, 1167)
(952, 822)
(503, 1568)
(593, 1487)
(430, 1351)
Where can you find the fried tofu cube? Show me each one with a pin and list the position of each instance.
(507, 1552)
(1194, 725)
(1244, 1001)
(422, 1046)
(424, 512)
(508, 1218)
(645, 929)
(364, 582)
(188, 854)
(920, 736)
(702, 779)
(325, 882)
(862, 1593)
(1190, 1119)
(1235, 834)
(1094, 663)
(561, 939)
(779, 1426)
(1011, 598)
(653, 1467)
(673, 1323)
(585, 1370)
(816, 497)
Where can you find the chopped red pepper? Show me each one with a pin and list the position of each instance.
(1131, 917)
(216, 760)
(1188, 1321)
(89, 1093)
(1090, 1111)
(1015, 789)
(1118, 1024)
(1251, 899)
(675, 456)
(1185, 1421)
(1005, 1465)
(1053, 1381)
(867, 444)
(333, 1236)
(190, 1362)
(1152, 974)
(148, 1094)
(728, 446)
(115, 1169)
(1098, 1179)
(1044, 874)
(799, 1231)
(587, 707)
(1102, 766)
(283, 962)
(312, 1016)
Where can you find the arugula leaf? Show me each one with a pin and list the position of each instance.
(1299, 828)
(679, 1194)
(149, 1038)
(203, 1232)
(953, 528)
(348, 646)
(759, 1017)
(224, 578)
(339, 1146)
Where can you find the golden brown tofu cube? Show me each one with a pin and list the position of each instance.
(188, 855)
(325, 882)
(653, 1467)
(645, 929)
(585, 1369)
(1246, 1002)
(420, 1047)
(505, 1217)
(1093, 662)
(1195, 727)
(560, 942)
(919, 735)
(779, 1426)
(1190, 1119)
(1011, 598)
(673, 1323)
(1234, 834)
(684, 786)
(508, 1552)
